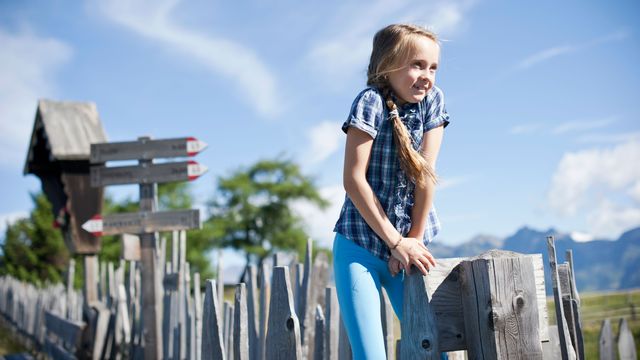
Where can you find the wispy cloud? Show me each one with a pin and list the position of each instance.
(577, 126)
(323, 139)
(448, 183)
(242, 66)
(344, 52)
(600, 183)
(320, 222)
(556, 51)
(28, 64)
(609, 138)
(525, 128)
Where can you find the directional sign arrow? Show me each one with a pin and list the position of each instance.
(142, 222)
(145, 149)
(146, 174)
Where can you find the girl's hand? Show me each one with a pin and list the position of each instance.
(394, 266)
(412, 251)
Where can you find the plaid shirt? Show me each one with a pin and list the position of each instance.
(388, 181)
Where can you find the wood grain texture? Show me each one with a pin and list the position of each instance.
(626, 344)
(318, 348)
(283, 333)
(212, 347)
(605, 342)
(332, 318)
(240, 324)
(419, 328)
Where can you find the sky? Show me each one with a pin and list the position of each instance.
(543, 97)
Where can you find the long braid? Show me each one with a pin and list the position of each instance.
(411, 161)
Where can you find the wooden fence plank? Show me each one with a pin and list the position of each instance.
(251, 277)
(265, 294)
(344, 346)
(419, 330)
(387, 314)
(626, 344)
(605, 343)
(212, 347)
(318, 353)
(240, 328)
(198, 315)
(68, 331)
(283, 334)
(332, 318)
(563, 336)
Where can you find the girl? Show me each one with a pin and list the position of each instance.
(394, 132)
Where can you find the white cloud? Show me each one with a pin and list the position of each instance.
(324, 140)
(153, 19)
(601, 183)
(576, 126)
(609, 138)
(27, 66)
(10, 218)
(556, 51)
(524, 128)
(346, 52)
(320, 222)
(580, 236)
(447, 183)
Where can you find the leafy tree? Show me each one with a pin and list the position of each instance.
(251, 208)
(33, 250)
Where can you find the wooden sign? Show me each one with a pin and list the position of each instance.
(154, 173)
(145, 149)
(130, 247)
(143, 222)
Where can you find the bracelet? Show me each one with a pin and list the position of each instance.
(398, 243)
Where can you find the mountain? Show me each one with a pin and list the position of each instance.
(599, 264)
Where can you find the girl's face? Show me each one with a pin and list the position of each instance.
(416, 77)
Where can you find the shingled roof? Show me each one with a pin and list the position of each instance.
(67, 129)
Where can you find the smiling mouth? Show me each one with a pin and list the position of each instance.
(420, 88)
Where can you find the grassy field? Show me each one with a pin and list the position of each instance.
(596, 307)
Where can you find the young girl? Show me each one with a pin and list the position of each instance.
(394, 132)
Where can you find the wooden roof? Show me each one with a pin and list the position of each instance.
(67, 128)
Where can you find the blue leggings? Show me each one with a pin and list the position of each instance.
(359, 276)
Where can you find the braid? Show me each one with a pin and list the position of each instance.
(411, 161)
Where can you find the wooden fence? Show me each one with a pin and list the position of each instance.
(490, 306)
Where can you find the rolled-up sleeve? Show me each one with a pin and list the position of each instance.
(436, 112)
(366, 113)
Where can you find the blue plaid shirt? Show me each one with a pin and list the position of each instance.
(388, 181)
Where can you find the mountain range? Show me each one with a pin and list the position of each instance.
(599, 265)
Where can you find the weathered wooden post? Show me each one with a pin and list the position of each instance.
(566, 348)
(386, 311)
(212, 339)
(283, 334)
(240, 322)
(419, 328)
(626, 344)
(332, 318)
(605, 343)
(500, 306)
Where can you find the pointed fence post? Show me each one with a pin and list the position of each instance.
(605, 343)
(626, 344)
(212, 347)
(563, 330)
(283, 336)
(240, 331)
(332, 318)
(419, 328)
(318, 348)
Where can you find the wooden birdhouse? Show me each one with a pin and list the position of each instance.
(59, 155)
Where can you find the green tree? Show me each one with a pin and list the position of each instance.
(33, 250)
(251, 209)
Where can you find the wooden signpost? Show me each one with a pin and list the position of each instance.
(148, 221)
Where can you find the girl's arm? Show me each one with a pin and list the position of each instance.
(423, 195)
(356, 161)
(357, 153)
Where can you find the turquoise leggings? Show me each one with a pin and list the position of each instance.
(359, 276)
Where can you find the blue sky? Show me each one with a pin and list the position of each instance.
(543, 97)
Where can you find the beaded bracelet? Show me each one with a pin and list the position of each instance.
(398, 243)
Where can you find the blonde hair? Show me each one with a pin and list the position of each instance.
(392, 46)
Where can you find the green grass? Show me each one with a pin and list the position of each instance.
(8, 344)
(596, 307)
